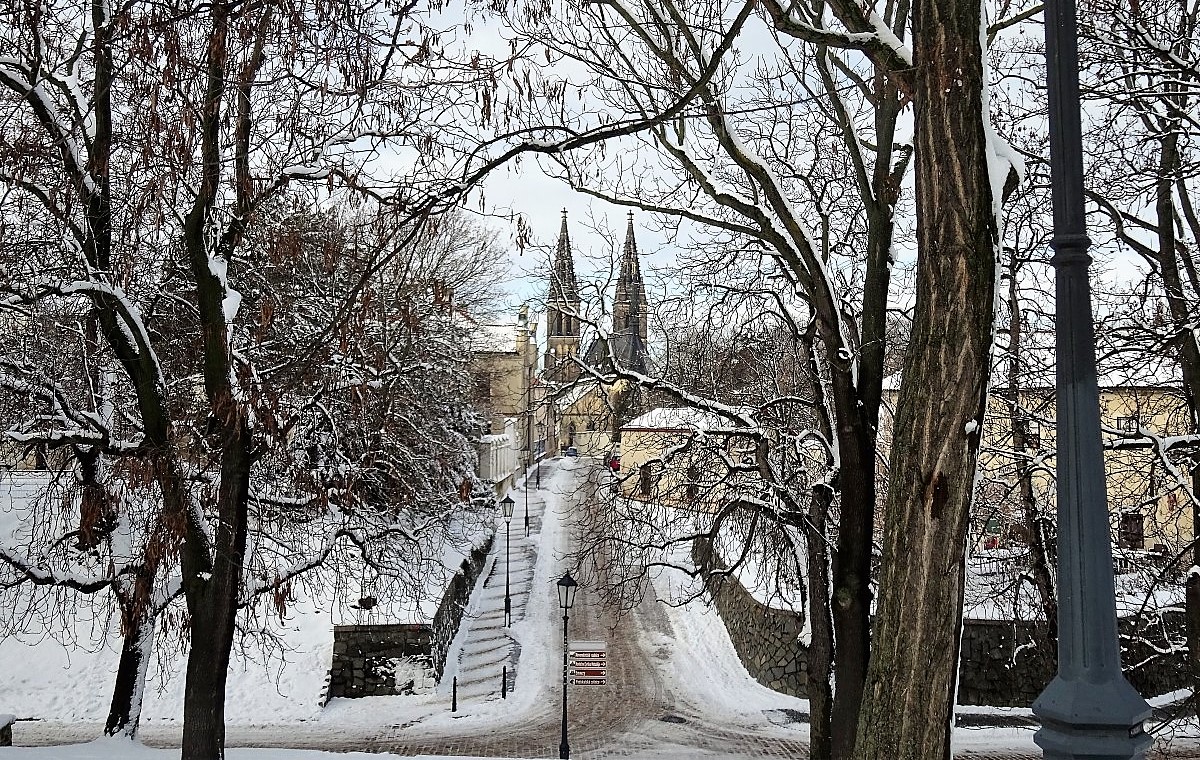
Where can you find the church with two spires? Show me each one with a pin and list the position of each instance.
(585, 401)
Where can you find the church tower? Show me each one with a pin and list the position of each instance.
(630, 312)
(563, 307)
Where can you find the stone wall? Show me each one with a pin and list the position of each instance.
(454, 603)
(366, 658)
(1002, 662)
(767, 640)
(1007, 663)
(394, 658)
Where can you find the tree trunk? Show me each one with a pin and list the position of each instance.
(125, 709)
(851, 605)
(908, 701)
(213, 602)
(820, 655)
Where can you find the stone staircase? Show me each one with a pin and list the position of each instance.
(486, 647)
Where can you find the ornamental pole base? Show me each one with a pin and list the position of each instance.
(1061, 742)
(1092, 720)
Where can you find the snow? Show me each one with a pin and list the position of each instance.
(282, 701)
(499, 338)
(679, 418)
(119, 749)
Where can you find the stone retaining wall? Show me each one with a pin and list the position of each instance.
(1007, 663)
(766, 639)
(1002, 662)
(394, 658)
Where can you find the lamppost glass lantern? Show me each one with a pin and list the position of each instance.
(566, 591)
(506, 504)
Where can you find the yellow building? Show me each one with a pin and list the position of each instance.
(686, 458)
(1147, 495)
(505, 373)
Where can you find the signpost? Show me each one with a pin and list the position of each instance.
(588, 664)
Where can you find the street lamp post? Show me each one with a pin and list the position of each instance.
(1089, 710)
(507, 505)
(566, 598)
(527, 501)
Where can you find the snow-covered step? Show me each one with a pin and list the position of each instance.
(486, 648)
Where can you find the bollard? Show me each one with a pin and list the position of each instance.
(504, 683)
(454, 695)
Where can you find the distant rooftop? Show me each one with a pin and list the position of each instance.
(677, 418)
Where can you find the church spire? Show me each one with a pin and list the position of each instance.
(563, 307)
(629, 305)
(563, 288)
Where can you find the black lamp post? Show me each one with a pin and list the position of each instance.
(566, 598)
(539, 452)
(507, 505)
(1089, 711)
(527, 498)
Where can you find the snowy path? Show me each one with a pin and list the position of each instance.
(676, 689)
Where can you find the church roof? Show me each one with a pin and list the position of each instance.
(627, 349)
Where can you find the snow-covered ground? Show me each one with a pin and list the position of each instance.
(68, 688)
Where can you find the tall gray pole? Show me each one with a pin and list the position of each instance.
(1089, 711)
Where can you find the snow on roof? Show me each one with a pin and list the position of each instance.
(676, 418)
(496, 337)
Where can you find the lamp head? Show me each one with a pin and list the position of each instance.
(506, 504)
(566, 591)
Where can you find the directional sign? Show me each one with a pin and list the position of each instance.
(591, 662)
(588, 663)
(588, 647)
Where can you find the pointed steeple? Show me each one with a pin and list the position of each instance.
(563, 288)
(629, 304)
(563, 307)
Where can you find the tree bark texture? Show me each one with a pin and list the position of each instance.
(851, 599)
(908, 700)
(820, 656)
(213, 604)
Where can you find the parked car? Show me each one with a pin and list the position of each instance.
(572, 451)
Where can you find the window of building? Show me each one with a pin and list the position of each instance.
(693, 486)
(1033, 434)
(1127, 424)
(1131, 533)
(645, 480)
